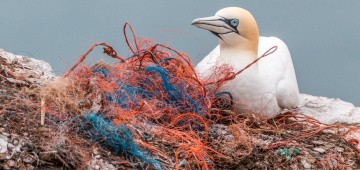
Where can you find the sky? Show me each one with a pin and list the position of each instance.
(323, 36)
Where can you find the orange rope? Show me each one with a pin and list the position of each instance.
(108, 50)
(232, 76)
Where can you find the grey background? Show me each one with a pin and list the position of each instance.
(323, 36)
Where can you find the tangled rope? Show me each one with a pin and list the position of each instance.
(154, 91)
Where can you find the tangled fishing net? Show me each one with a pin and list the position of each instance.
(152, 94)
(152, 108)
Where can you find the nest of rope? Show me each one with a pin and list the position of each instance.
(153, 111)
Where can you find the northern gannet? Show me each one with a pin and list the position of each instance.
(267, 87)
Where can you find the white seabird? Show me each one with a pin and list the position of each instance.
(267, 87)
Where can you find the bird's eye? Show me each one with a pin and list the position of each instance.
(234, 22)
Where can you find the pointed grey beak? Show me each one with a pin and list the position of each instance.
(215, 24)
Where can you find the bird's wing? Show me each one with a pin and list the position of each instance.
(279, 70)
(204, 68)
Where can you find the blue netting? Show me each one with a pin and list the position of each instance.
(175, 94)
(102, 71)
(117, 138)
(126, 94)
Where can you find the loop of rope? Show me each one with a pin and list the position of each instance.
(232, 76)
(134, 38)
(107, 50)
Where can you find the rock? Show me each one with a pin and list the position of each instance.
(305, 164)
(97, 163)
(8, 156)
(320, 150)
(3, 144)
(24, 70)
(28, 159)
(316, 142)
(229, 138)
(6, 134)
(339, 149)
(330, 131)
(261, 143)
(329, 110)
(218, 131)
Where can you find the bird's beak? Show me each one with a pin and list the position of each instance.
(215, 24)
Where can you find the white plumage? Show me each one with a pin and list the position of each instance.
(266, 88)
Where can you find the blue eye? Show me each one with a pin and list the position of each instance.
(234, 22)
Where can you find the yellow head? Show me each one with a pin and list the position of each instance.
(235, 27)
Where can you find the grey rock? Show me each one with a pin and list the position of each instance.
(339, 149)
(317, 142)
(305, 164)
(3, 144)
(97, 163)
(329, 110)
(320, 150)
(35, 71)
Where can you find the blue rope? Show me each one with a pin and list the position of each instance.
(173, 92)
(117, 138)
(218, 95)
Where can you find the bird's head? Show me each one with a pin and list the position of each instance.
(235, 27)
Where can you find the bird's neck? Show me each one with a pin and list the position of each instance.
(241, 44)
(239, 57)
